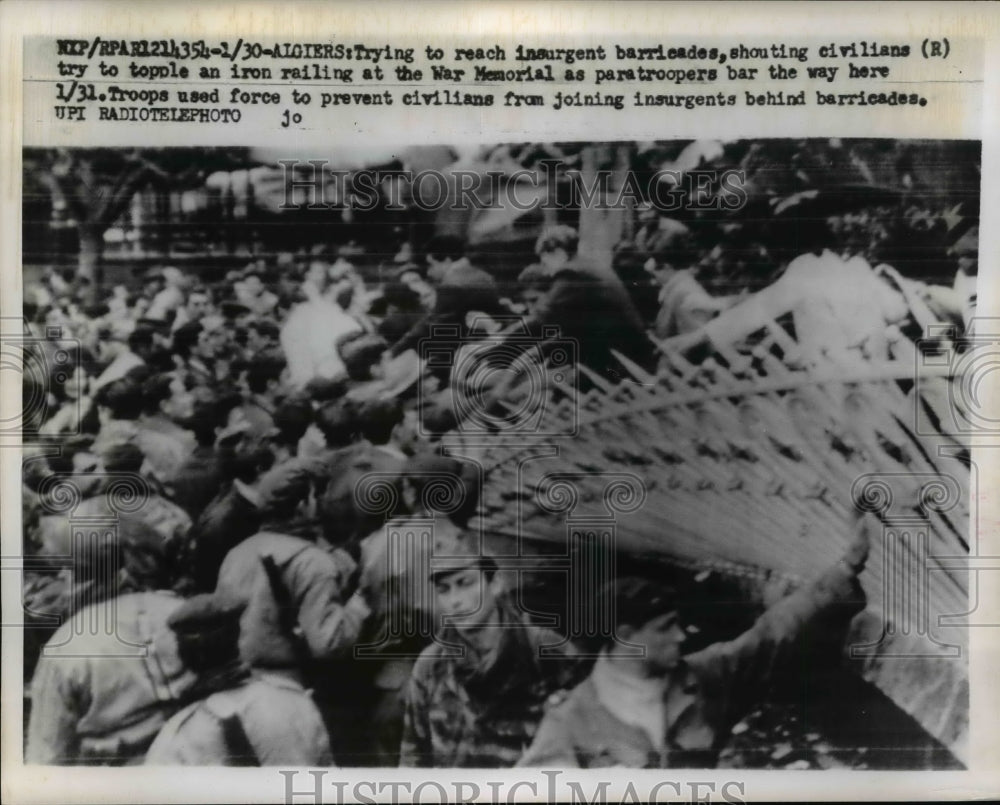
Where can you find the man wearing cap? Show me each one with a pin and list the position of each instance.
(478, 691)
(661, 709)
(241, 718)
(431, 487)
(297, 606)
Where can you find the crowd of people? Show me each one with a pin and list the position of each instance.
(246, 412)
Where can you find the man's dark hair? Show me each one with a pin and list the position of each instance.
(208, 631)
(445, 247)
(140, 340)
(338, 422)
(155, 390)
(265, 367)
(377, 418)
(292, 418)
(248, 462)
(186, 337)
(266, 328)
(63, 463)
(324, 389)
(125, 457)
(634, 601)
(207, 415)
(122, 397)
(360, 352)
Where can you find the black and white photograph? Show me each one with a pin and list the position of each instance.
(577, 454)
(498, 402)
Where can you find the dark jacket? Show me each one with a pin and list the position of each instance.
(595, 314)
(463, 289)
(198, 481)
(225, 523)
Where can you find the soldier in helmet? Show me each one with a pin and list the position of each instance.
(478, 691)
(241, 718)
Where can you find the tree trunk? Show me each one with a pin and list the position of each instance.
(601, 229)
(89, 267)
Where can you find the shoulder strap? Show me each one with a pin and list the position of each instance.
(238, 746)
(287, 616)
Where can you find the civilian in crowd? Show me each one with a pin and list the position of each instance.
(240, 717)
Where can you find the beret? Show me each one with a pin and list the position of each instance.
(456, 550)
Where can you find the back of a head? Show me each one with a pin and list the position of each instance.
(133, 559)
(123, 398)
(125, 457)
(186, 338)
(207, 627)
(292, 418)
(444, 485)
(378, 418)
(360, 352)
(208, 415)
(140, 340)
(283, 488)
(155, 389)
(265, 368)
(248, 462)
(337, 420)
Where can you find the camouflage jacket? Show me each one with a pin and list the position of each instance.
(461, 714)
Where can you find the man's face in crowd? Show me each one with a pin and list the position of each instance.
(662, 637)
(210, 342)
(467, 598)
(532, 299)
(257, 342)
(198, 306)
(179, 406)
(76, 384)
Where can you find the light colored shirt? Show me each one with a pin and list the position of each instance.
(309, 340)
(633, 700)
